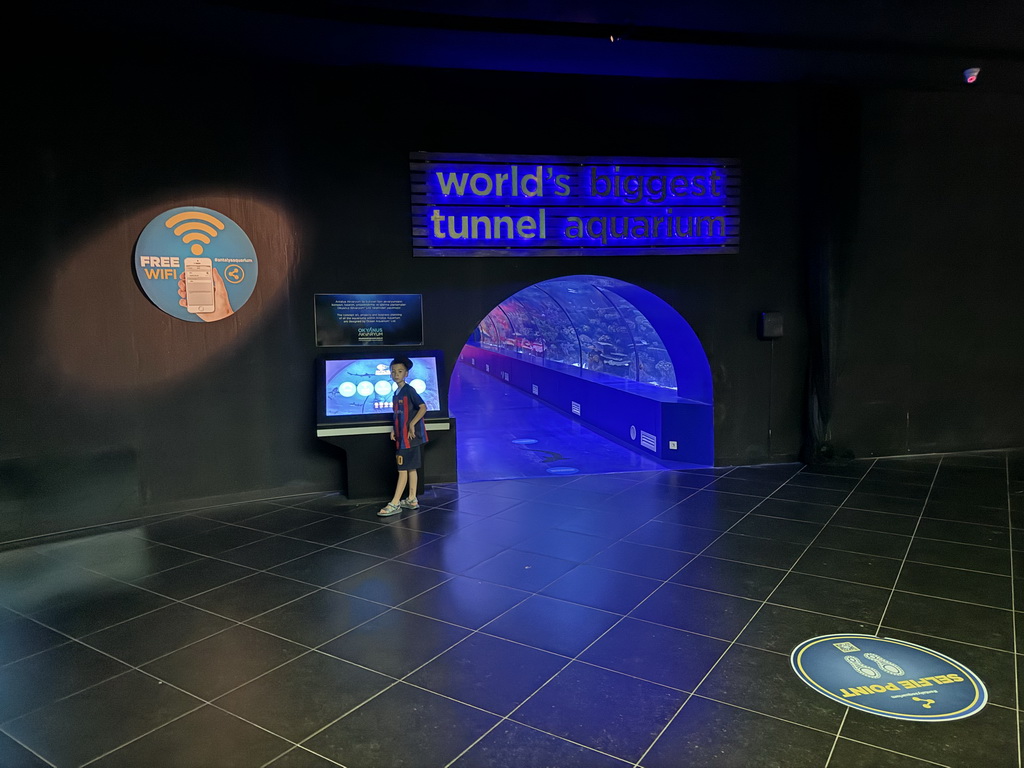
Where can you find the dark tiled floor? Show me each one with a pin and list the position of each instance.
(634, 619)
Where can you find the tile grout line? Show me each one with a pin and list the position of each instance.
(235, 623)
(211, 557)
(763, 603)
(733, 641)
(180, 601)
(27, 748)
(712, 480)
(835, 741)
(213, 701)
(134, 522)
(472, 632)
(910, 544)
(482, 630)
(1013, 606)
(622, 617)
(396, 681)
(892, 590)
(161, 681)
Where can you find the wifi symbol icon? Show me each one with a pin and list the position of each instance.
(195, 227)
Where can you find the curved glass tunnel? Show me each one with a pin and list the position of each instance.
(600, 346)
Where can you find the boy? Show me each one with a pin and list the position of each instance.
(409, 433)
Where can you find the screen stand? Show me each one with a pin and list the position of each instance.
(369, 471)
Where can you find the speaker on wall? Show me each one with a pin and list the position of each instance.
(769, 325)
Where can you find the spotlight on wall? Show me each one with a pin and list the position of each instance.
(971, 74)
(614, 38)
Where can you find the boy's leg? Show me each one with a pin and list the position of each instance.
(403, 479)
(412, 462)
(393, 508)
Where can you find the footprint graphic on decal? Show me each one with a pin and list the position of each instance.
(862, 668)
(885, 665)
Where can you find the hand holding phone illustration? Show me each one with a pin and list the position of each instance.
(203, 292)
(199, 286)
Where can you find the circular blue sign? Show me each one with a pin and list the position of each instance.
(887, 677)
(196, 264)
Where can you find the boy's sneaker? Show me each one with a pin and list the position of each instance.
(409, 504)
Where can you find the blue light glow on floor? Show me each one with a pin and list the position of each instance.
(503, 433)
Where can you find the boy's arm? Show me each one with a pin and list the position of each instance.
(420, 413)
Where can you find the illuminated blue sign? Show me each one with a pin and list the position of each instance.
(514, 205)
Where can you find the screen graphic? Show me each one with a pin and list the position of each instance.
(360, 387)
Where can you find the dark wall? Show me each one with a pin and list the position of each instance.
(110, 407)
(108, 404)
(365, 215)
(929, 287)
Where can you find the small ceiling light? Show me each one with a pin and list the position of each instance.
(971, 74)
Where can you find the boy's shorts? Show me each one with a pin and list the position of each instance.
(409, 458)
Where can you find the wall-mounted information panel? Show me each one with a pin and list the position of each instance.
(368, 319)
(539, 205)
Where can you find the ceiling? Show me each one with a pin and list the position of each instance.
(901, 43)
